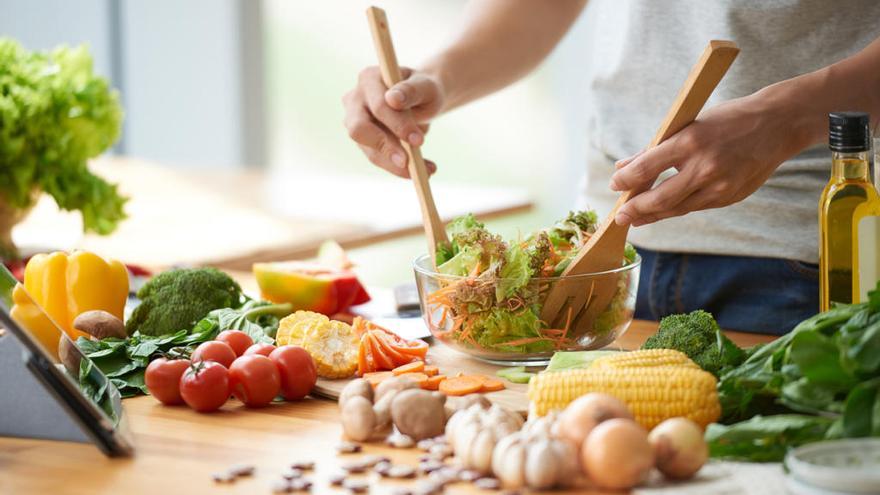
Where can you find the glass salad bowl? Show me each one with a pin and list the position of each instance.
(473, 315)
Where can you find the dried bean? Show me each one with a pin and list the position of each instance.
(399, 441)
(348, 448)
(240, 470)
(401, 490)
(401, 471)
(292, 473)
(425, 444)
(427, 487)
(356, 486)
(223, 477)
(440, 450)
(301, 485)
(487, 483)
(382, 468)
(430, 466)
(281, 486)
(303, 465)
(337, 479)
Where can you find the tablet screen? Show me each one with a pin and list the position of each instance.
(72, 377)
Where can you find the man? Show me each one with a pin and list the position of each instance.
(731, 224)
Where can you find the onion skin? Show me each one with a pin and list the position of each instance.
(617, 455)
(585, 413)
(679, 448)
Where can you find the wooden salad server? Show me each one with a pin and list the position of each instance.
(434, 229)
(577, 302)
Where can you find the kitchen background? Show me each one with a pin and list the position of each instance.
(231, 83)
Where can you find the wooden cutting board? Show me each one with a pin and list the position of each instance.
(451, 362)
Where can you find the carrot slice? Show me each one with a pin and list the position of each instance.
(362, 358)
(377, 377)
(492, 384)
(389, 349)
(380, 358)
(414, 367)
(433, 382)
(461, 385)
(417, 377)
(431, 370)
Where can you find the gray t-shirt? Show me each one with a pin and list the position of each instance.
(640, 54)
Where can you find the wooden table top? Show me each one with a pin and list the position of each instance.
(230, 218)
(178, 449)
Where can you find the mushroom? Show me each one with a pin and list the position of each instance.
(419, 413)
(358, 419)
(69, 355)
(100, 324)
(393, 385)
(358, 387)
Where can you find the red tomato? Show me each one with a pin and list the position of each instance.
(261, 348)
(205, 386)
(254, 380)
(163, 379)
(238, 340)
(216, 351)
(298, 372)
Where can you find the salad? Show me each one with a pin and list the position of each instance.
(491, 291)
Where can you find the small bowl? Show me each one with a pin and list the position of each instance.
(510, 332)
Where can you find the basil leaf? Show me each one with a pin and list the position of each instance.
(818, 358)
(860, 415)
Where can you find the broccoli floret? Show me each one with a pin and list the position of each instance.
(177, 299)
(697, 335)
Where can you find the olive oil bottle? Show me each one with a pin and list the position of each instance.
(848, 209)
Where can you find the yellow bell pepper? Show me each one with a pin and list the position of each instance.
(65, 285)
(35, 321)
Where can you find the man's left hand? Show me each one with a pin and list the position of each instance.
(721, 158)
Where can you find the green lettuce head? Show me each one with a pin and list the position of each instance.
(55, 114)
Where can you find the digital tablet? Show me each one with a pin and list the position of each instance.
(79, 387)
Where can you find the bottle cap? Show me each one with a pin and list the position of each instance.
(848, 132)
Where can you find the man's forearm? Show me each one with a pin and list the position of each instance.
(851, 84)
(501, 41)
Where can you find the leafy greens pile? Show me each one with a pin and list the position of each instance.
(54, 115)
(179, 310)
(820, 381)
(492, 302)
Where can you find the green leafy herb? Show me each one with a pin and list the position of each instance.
(55, 114)
(765, 438)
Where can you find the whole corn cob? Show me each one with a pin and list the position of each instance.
(652, 393)
(649, 357)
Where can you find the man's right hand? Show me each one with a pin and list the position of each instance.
(378, 119)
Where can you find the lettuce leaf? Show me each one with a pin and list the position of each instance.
(515, 272)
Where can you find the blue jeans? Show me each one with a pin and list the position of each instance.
(759, 295)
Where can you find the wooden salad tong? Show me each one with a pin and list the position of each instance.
(434, 229)
(578, 301)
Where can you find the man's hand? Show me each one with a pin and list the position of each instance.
(377, 120)
(721, 158)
